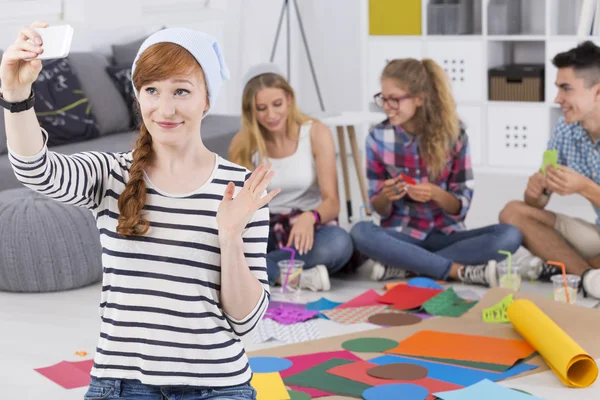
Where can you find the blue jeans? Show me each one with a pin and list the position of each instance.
(332, 247)
(434, 255)
(116, 389)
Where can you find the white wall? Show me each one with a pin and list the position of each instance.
(245, 29)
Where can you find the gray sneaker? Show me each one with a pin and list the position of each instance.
(591, 283)
(530, 265)
(381, 272)
(479, 274)
(315, 279)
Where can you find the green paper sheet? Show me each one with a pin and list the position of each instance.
(448, 304)
(473, 364)
(550, 157)
(317, 377)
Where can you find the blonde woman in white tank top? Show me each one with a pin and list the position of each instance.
(301, 151)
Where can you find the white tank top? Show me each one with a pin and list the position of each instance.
(296, 176)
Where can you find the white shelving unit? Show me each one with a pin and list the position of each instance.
(506, 137)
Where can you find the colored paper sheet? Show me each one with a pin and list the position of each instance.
(290, 315)
(357, 371)
(389, 286)
(307, 361)
(448, 304)
(294, 395)
(404, 297)
(317, 377)
(572, 364)
(84, 366)
(368, 298)
(470, 364)
(268, 329)
(356, 315)
(461, 376)
(269, 387)
(265, 365)
(276, 304)
(487, 390)
(408, 391)
(66, 374)
(393, 17)
(421, 281)
(322, 304)
(369, 345)
(464, 347)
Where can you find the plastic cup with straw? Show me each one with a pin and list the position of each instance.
(564, 278)
(287, 274)
(361, 210)
(512, 278)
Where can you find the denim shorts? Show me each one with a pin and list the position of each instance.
(116, 389)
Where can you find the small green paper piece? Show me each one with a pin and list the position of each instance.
(550, 158)
(448, 304)
(369, 345)
(497, 313)
(295, 395)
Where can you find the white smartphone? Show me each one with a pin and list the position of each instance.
(56, 41)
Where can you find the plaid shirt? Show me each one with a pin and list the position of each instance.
(391, 150)
(577, 151)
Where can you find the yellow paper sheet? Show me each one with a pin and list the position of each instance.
(269, 386)
(573, 365)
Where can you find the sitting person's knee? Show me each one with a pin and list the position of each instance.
(512, 211)
(359, 229)
(512, 238)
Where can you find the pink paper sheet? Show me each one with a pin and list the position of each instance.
(69, 375)
(304, 362)
(368, 298)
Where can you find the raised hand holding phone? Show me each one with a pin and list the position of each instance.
(56, 41)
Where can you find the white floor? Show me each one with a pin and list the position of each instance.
(39, 330)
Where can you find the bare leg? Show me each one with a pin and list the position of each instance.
(540, 237)
(594, 262)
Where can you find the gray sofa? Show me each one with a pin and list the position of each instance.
(113, 118)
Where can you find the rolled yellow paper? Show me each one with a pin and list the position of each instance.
(573, 366)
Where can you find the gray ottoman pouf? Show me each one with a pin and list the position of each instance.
(45, 245)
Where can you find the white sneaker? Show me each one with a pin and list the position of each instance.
(381, 272)
(531, 266)
(315, 279)
(479, 274)
(591, 283)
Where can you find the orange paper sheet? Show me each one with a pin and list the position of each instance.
(572, 364)
(464, 347)
(404, 297)
(357, 371)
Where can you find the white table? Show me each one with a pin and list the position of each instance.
(347, 121)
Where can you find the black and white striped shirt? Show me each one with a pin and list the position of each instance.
(161, 319)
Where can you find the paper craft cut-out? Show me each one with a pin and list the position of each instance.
(452, 373)
(368, 298)
(400, 371)
(318, 378)
(358, 371)
(322, 304)
(369, 345)
(69, 375)
(404, 297)
(269, 387)
(421, 281)
(290, 315)
(391, 392)
(394, 319)
(356, 315)
(497, 312)
(295, 395)
(268, 329)
(265, 365)
(307, 361)
(487, 390)
(464, 347)
(550, 158)
(448, 304)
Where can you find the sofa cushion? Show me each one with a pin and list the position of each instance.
(61, 105)
(112, 114)
(121, 76)
(124, 53)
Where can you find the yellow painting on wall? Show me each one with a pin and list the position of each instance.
(395, 17)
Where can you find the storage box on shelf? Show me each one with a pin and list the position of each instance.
(517, 82)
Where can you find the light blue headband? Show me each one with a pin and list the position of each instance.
(203, 47)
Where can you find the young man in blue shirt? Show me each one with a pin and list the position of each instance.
(553, 236)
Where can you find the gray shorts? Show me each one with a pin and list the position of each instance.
(583, 236)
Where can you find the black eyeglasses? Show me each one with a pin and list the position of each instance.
(393, 102)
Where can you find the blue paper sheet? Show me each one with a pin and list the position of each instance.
(452, 373)
(321, 305)
(487, 390)
(423, 282)
(266, 365)
(396, 391)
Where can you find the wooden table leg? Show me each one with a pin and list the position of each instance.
(358, 165)
(344, 159)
